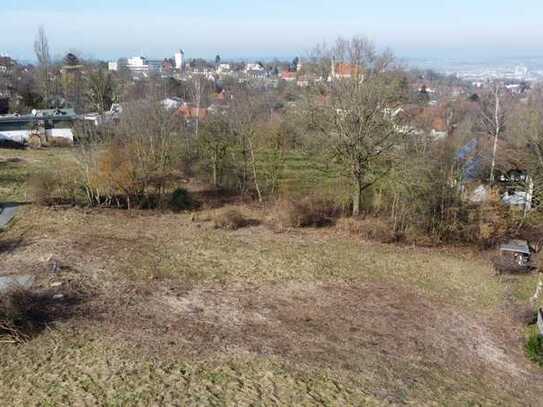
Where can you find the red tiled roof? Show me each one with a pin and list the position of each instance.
(347, 70)
(192, 112)
(287, 75)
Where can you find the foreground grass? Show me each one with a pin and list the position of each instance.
(87, 370)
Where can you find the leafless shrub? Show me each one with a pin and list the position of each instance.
(307, 212)
(370, 228)
(141, 165)
(231, 219)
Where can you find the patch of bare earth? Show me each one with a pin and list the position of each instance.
(399, 345)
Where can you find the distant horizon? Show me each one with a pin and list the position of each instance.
(242, 29)
(437, 61)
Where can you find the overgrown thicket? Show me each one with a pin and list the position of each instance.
(146, 159)
(139, 165)
(425, 196)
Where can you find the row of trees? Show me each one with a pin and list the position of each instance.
(356, 127)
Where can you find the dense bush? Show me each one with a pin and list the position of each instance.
(181, 200)
(369, 228)
(142, 163)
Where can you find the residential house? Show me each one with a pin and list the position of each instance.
(256, 71)
(345, 71)
(189, 112)
(224, 69)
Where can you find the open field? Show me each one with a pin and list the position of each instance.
(16, 166)
(164, 309)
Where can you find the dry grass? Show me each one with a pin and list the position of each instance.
(177, 311)
(17, 166)
(369, 229)
(92, 370)
(366, 321)
(145, 246)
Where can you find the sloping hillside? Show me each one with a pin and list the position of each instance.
(158, 308)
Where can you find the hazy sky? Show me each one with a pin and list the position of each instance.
(243, 28)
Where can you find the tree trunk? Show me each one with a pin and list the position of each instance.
(357, 196)
(215, 180)
(496, 134)
(253, 165)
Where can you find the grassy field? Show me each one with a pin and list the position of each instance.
(302, 173)
(16, 166)
(164, 309)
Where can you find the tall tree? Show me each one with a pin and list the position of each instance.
(492, 114)
(247, 107)
(43, 55)
(359, 112)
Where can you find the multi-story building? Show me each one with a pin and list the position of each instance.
(143, 66)
(179, 59)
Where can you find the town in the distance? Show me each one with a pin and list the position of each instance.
(434, 80)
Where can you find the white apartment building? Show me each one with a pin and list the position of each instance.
(179, 59)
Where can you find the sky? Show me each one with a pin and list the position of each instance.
(108, 29)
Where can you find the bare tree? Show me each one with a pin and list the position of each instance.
(492, 117)
(198, 102)
(359, 114)
(215, 142)
(99, 90)
(247, 109)
(526, 148)
(43, 55)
